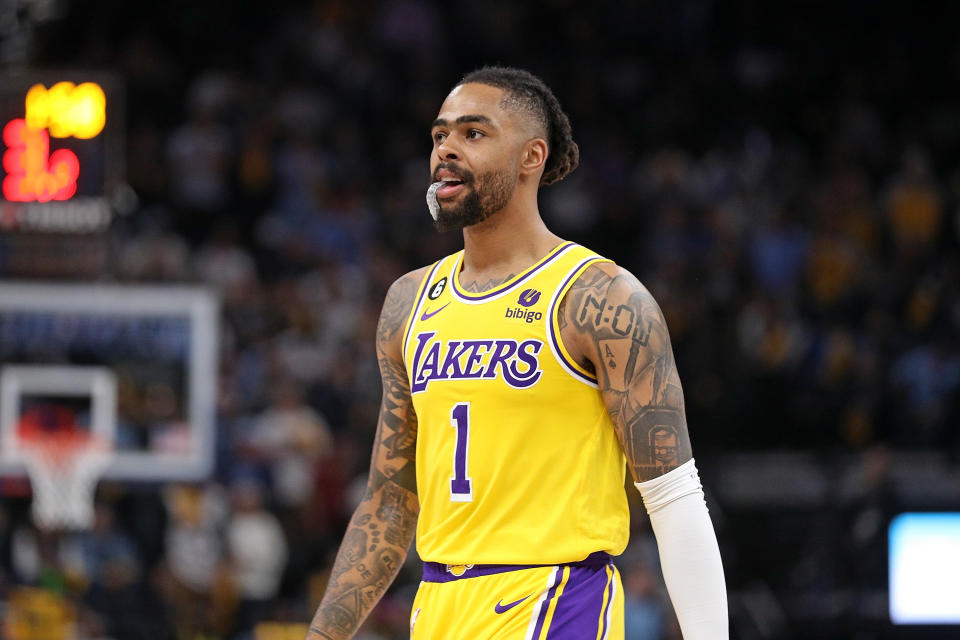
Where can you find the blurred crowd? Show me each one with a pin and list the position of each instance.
(797, 219)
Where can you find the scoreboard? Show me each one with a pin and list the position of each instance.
(62, 156)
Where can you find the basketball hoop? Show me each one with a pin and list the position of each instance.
(64, 466)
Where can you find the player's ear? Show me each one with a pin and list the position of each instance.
(533, 156)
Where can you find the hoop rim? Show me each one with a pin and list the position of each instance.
(56, 448)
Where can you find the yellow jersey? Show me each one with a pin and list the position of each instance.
(517, 458)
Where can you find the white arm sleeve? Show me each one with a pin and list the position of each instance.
(689, 555)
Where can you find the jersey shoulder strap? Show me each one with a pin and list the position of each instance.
(579, 260)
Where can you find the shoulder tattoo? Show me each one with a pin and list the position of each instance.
(624, 337)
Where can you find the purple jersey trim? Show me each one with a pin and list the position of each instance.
(488, 295)
(554, 336)
(416, 307)
(437, 571)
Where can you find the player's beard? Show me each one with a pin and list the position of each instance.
(487, 194)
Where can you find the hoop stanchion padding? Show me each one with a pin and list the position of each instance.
(64, 468)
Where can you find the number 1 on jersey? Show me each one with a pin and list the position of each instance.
(461, 485)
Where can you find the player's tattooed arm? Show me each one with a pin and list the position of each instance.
(382, 527)
(614, 327)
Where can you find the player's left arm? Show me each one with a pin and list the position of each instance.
(612, 325)
(616, 329)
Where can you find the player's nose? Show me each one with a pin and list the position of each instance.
(447, 151)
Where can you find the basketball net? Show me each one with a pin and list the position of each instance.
(64, 466)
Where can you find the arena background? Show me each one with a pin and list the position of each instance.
(783, 176)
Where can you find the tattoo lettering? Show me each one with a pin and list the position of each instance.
(621, 321)
(354, 545)
(642, 333)
(589, 304)
(390, 560)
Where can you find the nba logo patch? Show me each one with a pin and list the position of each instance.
(528, 297)
(413, 618)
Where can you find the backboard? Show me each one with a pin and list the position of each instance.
(134, 365)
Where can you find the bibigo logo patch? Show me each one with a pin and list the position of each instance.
(528, 297)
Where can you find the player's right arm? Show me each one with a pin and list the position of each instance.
(383, 525)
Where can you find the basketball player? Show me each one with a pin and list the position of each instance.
(519, 376)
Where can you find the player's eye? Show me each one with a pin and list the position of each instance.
(439, 137)
(475, 134)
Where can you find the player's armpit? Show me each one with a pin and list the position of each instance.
(383, 525)
(613, 326)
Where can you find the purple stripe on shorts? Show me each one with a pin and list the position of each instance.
(545, 605)
(580, 606)
(489, 294)
(603, 614)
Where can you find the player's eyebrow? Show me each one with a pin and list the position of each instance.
(443, 122)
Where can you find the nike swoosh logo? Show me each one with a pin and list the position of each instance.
(426, 316)
(503, 608)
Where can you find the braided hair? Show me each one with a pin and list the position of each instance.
(526, 92)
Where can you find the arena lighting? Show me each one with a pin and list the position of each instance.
(924, 568)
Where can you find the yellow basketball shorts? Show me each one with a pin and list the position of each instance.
(576, 601)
